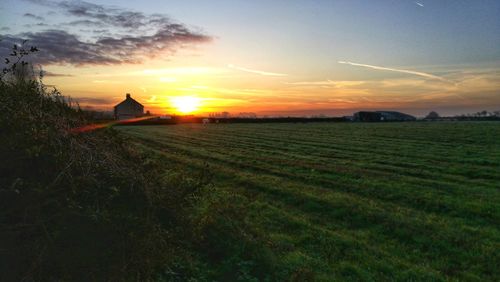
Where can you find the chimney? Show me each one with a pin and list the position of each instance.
(128, 95)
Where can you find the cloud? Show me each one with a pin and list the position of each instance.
(312, 83)
(34, 25)
(127, 37)
(51, 74)
(331, 83)
(107, 81)
(265, 73)
(31, 16)
(112, 16)
(94, 14)
(177, 71)
(422, 74)
(87, 23)
(61, 47)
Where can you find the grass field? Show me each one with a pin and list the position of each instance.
(399, 201)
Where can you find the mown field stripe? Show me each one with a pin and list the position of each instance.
(374, 188)
(280, 195)
(384, 166)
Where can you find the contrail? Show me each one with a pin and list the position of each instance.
(255, 71)
(423, 74)
(420, 4)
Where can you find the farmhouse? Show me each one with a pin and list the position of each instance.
(128, 108)
(382, 116)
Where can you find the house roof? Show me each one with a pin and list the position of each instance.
(129, 99)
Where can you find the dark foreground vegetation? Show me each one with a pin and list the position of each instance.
(414, 201)
(87, 206)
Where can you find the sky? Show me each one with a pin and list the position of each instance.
(275, 58)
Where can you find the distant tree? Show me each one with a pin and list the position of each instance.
(432, 115)
(247, 115)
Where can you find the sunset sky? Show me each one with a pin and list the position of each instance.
(283, 57)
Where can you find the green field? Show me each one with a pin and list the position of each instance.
(398, 201)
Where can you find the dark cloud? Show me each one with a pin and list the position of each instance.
(87, 23)
(31, 16)
(52, 74)
(37, 24)
(100, 15)
(61, 47)
(124, 36)
(107, 15)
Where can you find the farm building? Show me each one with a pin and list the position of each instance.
(382, 116)
(128, 108)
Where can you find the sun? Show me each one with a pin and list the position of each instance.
(185, 104)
